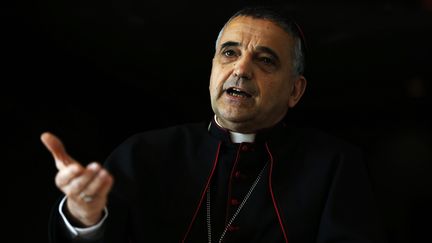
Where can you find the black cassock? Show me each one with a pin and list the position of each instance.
(313, 188)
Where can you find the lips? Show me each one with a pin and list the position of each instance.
(237, 92)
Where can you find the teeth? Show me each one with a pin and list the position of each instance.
(237, 92)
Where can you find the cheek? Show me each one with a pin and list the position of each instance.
(268, 87)
(213, 80)
(218, 76)
(274, 91)
(214, 84)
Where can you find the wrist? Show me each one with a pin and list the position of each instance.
(82, 218)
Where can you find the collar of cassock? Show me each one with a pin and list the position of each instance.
(228, 136)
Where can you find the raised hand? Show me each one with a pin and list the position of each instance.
(86, 188)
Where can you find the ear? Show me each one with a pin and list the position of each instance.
(298, 88)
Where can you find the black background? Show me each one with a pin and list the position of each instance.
(95, 72)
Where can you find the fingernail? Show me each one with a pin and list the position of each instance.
(93, 166)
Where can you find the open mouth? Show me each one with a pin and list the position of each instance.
(236, 92)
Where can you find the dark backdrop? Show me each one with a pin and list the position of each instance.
(95, 72)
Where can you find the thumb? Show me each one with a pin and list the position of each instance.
(58, 151)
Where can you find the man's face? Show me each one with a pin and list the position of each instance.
(251, 80)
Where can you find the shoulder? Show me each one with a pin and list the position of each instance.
(160, 139)
(157, 144)
(317, 141)
(326, 139)
(169, 134)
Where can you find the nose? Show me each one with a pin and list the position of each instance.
(243, 67)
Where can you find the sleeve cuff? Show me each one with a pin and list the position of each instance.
(83, 233)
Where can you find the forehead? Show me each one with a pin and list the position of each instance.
(254, 32)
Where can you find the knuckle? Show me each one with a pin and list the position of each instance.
(60, 180)
(73, 169)
(68, 192)
(77, 184)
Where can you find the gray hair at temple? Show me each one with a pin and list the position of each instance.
(286, 23)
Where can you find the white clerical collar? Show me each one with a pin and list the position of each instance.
(237, 137)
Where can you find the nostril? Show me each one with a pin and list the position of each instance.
(242, 75)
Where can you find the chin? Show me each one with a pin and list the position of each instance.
(234, 118)
(235, 123)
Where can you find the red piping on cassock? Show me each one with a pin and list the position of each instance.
(203, 193)
(272, 195)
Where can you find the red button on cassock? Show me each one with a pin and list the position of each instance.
(233, 228)
(234, 202)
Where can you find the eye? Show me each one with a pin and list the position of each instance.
(229, 53)
(267, 60)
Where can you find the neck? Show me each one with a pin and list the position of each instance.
(238, 137)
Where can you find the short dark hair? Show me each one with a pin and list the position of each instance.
(284, 20)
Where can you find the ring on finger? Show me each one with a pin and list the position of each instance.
(86, 198)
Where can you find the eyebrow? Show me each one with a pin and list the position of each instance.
(229, 43)
(268, 51)
(259, 48)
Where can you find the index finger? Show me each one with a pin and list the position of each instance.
(55, 146)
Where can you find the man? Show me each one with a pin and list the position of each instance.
(245, 177)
